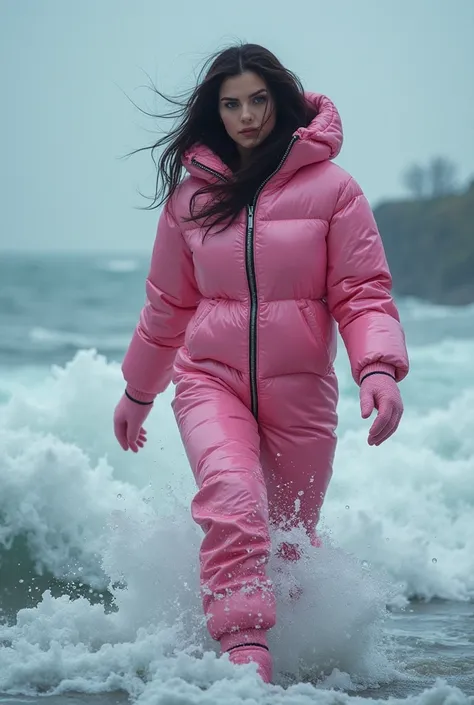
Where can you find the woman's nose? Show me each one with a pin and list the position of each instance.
(246, 115)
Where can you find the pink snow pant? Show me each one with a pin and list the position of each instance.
(249, 476)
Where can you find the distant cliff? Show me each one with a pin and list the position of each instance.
(429, 244)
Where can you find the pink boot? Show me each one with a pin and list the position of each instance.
(246, 646)
(253, 654)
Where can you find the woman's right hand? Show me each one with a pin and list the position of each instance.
(128, 419)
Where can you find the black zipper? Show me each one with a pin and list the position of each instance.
(250, 267)
(252, 281)
(208, 169)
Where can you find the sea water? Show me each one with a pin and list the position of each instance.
(99, 591)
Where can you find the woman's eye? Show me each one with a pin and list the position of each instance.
(260, 99)
(230, 105)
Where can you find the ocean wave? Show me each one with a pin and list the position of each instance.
(84, 515)
(119, 266)
(418, 309)
(410, 502)
(58, 339)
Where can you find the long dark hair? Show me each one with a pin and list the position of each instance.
(198, 122)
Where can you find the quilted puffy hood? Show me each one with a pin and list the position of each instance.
(320, 141)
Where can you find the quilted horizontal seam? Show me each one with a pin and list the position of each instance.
(285, 220)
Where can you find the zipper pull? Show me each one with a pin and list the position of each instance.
(251, 216)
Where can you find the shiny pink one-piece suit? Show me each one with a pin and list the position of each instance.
(243, 322)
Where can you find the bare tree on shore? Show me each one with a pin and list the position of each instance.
(435, 180)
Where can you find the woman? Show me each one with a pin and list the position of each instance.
(262, 246)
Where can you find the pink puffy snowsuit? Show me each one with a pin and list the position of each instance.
(244, 325)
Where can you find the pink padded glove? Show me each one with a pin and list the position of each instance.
(130, 414)
(378, 390)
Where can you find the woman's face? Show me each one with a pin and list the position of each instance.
(247, 110)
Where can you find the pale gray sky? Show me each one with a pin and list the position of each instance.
(401, 74)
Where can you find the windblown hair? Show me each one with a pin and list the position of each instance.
(197, 121)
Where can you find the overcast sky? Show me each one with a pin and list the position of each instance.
(400, 72)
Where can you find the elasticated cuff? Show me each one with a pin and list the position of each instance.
(140, 396)
(379, 367)
(244, 637)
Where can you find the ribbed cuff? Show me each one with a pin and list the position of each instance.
(241, 638)
(379, 367)
(140, 396)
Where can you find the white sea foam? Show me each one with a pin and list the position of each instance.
(397, 522)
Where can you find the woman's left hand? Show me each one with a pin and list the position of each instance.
(380, 391)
